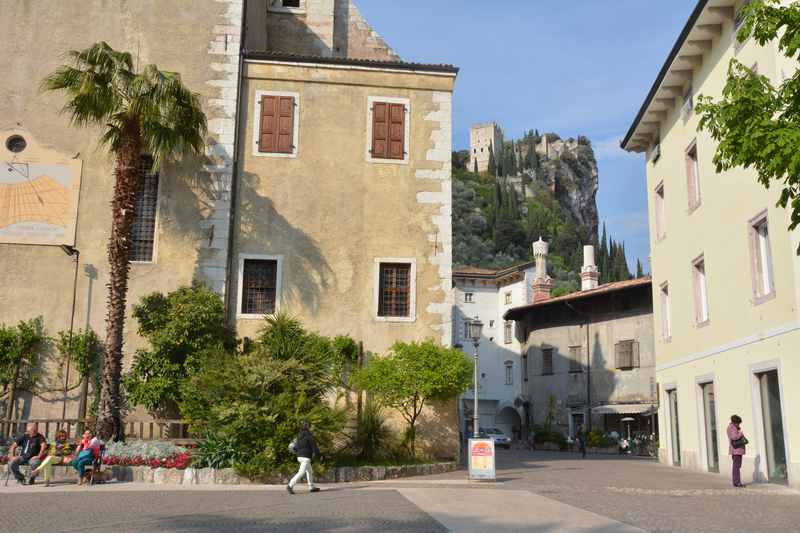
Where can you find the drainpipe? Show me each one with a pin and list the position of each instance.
(229, 296)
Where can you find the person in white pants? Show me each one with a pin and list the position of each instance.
(305, 446)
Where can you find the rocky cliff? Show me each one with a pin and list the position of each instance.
(567, 167)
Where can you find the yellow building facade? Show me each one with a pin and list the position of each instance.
(726, 285)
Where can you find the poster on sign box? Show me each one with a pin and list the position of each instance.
(481, 459)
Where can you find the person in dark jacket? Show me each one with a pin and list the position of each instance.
(580, 436)
(306, 449)
(32, 448)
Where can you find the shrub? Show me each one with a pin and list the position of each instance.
(373, 437)
(180, 327)
(596, 439)
(259, 399)
(217, 451)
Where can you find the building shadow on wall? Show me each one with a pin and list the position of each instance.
(263, 230)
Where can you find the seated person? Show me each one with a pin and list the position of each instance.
(32, 448)
(59, 452)
(88, 450)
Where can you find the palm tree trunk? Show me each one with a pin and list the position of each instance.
(123, 206)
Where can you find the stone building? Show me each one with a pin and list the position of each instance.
(484, 140)
(325, 190)
(726, 275)
(589, 352)
(486, 294)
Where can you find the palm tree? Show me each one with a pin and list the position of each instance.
(139, 112)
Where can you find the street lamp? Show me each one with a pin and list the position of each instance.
(72, 252)
(475, 331)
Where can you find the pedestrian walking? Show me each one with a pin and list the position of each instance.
(580, 436)
(305, 447)
(737, 443)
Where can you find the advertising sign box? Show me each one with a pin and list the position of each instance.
(481, 459)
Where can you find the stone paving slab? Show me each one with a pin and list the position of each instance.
(482, 510)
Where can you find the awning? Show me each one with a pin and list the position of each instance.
(626, 409)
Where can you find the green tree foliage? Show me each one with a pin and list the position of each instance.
(413, 375)
(256, 401)
(639, 269)
(180, 327)
(492, 162)
(21, 347)
(755, 122)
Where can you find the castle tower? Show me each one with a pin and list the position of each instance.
(483, 140)
(589, 272)
(542, 283)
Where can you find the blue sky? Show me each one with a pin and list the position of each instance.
(570, 67)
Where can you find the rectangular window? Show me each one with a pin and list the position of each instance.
(661, 222)
(547, 361)
(627, 354)
(291, 3)
(388, 130)
(468, 296)
(466, 336)
(144, 223)
(259, 286)
(287, 6)
(666, 326)
(508, 332)
(700, 290)
(693, 176)
(508, 298)
(509, 373)
(761, 257)
(575, 359)
(394, 297)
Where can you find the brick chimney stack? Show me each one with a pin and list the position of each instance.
(542, 283)
(589, 272)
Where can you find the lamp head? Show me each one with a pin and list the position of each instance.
(475, 330)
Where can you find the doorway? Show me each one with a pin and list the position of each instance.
(672, 398)
(710, 422)
(772, 417)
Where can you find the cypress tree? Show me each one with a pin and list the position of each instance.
(492, 162)
(639, 269)
(475, 166)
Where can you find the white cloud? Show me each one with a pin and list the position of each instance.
(610, 149)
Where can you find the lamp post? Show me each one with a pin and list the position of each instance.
(475, 331)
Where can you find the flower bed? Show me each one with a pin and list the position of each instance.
(154, 454)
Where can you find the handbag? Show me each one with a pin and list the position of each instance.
(293, 446)
(740, 443)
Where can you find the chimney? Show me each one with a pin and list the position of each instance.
(589, 272)
(542, 282)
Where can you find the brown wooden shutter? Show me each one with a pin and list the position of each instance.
(285, 142)
(268, 138)
(397, 131)
(380, 130)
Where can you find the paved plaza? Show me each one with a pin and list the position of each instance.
(550, 492)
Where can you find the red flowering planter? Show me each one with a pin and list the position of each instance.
(180, 461)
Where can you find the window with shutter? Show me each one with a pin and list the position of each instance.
(693, 176)
(277, 132)
(547, 361)
(144, 223)
(389, 126)
(576, 359)
(627, 355)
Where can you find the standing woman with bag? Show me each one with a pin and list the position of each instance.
(305, 447)
(737, 443)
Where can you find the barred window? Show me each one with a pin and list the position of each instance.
(627, 354)
(394, 299)
(576, 359)
(260, 279)
(547, 361)
(144, 224)
(508, 332)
